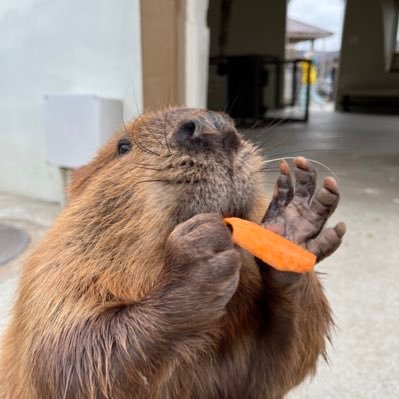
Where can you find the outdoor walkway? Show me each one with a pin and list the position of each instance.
(361, 279)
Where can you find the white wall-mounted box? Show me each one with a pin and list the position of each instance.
(77, 125)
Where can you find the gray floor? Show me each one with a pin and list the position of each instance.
(13, 241)
(34, 217)
(361, 278)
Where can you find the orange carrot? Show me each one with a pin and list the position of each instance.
(270, 247)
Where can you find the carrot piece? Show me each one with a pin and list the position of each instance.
(270, 247)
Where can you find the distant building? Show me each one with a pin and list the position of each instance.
(298, 32)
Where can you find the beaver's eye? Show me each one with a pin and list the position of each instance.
(124, 146)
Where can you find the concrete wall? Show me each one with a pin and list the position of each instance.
(162, 34)
(390, 24)
(366, 43)
(175, 43)
(72, 46)
(196, 53)
(256, 27)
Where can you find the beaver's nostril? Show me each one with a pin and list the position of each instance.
(185, 131)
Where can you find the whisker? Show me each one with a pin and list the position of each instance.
(153, 180)
(312, 160)
(166, 123)
(143, 164)
(269, 125)
(301, 152)
(270, 168)
(278, 123)
(268, 139)
(271, 147)
(149, 130)
(226, 111)
(123, 108)
(137, 143)
(246, 132)
(148, 168)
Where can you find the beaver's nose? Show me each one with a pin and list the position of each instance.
(191, 135)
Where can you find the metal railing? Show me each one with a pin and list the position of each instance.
(280, 88)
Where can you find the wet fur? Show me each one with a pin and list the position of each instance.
(96, 313)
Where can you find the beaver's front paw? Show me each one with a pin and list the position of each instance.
(202, 261)
(300, 214)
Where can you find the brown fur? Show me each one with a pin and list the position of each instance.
(103, 313)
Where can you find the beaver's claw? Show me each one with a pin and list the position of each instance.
(300, 215)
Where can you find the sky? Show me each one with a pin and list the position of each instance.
(324, 14)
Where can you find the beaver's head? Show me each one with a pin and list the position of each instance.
(163, 169)
(176, 163)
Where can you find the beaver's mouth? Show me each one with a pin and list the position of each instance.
(211, 184)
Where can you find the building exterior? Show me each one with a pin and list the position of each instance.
(368, 55)
(298, 31)
(66, 46)
(150, 54)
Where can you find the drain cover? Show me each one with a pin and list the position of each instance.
(12, 242)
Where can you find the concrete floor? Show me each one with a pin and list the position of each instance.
(362, 278)
(35, 217)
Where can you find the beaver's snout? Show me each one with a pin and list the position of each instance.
(198, 135)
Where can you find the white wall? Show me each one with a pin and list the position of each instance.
(71, 46)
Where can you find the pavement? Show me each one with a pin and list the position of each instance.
(33, 216)
(361, 279)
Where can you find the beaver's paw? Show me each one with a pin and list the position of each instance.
(300, 214)
(201, 256)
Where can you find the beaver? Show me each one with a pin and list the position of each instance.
(137, 291)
